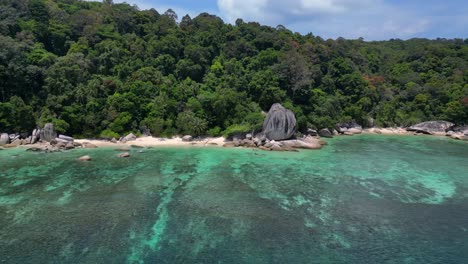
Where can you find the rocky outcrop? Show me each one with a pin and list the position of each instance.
(458, 132)
(431, 127)
(35, 136)
(325, 132)
(4, 139)
(311, 132)
(349, 128)
(279, 124)
(129, 137)
(48, 132)
(187, 138)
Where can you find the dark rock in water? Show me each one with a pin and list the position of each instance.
(4, 139)
(431, 127)
(122, 149)
(279, 124)
(136, 146)
(325, 132)
(48, 132)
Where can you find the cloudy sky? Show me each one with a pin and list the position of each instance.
(370, 19)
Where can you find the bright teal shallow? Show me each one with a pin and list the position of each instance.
(361, 199)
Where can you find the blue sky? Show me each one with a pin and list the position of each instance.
(370, 19)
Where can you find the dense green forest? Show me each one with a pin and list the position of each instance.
(105, 69)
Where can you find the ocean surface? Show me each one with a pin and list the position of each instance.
(361, 199)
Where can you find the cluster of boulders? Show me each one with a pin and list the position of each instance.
(279, 129)
(441, 128)
(39, 135)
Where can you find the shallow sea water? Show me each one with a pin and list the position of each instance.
(361, 199)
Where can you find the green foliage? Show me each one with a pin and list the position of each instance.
(95, 68)
(189, 124)
(236, 130)
(107, 133)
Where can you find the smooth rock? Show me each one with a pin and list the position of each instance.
(306, 143)
(122, 149)
(129, 137)
(248, 136)
(88, 145)
(458, 136)
(85, 158)
(279, 124)
(124, 155)
(4, 139)
(431, 127)
(66, 138)
(325, 132)
(69, 145)
(48, 132)
(113, 140)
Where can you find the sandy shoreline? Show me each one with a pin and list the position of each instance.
(157, 142)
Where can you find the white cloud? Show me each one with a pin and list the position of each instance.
(371, 19)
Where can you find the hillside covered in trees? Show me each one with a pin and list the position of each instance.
(104, 69)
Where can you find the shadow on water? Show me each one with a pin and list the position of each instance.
(365, 199)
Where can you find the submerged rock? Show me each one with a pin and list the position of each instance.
(124, 155)
(85, 158)
(431, 127)
(279, 124)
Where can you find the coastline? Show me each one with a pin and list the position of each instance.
(148, 141)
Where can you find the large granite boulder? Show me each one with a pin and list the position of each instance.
(431, 127)
(48, 132)
(129, 137)
(279, 124)
(4, 139)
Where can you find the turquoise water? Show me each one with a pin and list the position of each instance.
(361, 199)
